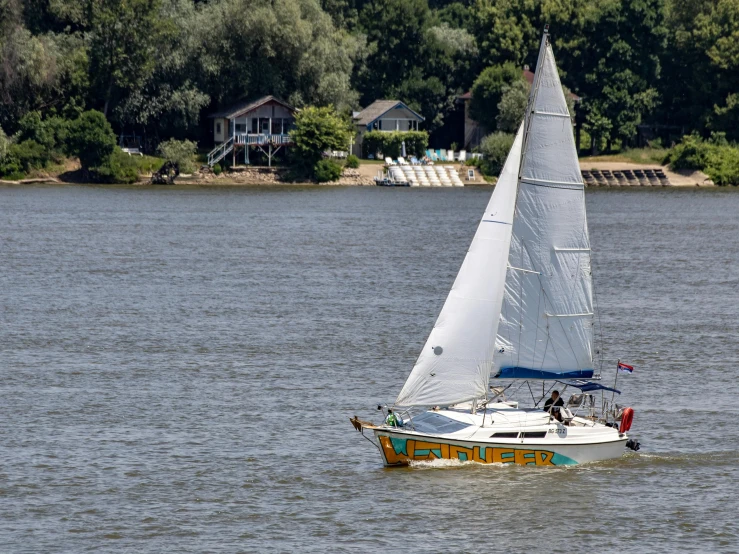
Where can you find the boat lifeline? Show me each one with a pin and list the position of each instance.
(521, 309)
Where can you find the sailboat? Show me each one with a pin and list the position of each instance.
(521, 312)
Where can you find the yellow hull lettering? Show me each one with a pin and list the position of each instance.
(399, 451)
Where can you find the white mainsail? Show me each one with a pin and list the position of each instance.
(546, 321)
(455, 364)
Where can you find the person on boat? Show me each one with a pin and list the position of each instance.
(393, 420)
(552, 405)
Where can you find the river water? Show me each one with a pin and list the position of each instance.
(179, 366)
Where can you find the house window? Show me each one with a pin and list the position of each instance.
(241, 127)
(218, 128)
(254, 125)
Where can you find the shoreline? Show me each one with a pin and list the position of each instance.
(363, 177)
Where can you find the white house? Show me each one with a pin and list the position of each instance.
(254, 124)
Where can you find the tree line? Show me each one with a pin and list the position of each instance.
(158, 67)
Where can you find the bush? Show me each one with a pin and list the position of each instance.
(91, 139)
(29, 155)
(217, 169)
(352, 161)
(715, 157)
(495, 150)
(327, 170)
(118, 168)
(180, 152)
(692, 153)
(51, 133)
(391, 144)
(317, 130)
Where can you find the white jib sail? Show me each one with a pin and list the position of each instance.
(546, 322)
(455, 363)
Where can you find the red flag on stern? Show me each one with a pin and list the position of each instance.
(623, 368)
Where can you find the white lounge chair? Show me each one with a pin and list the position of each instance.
(463, 156)
(401, 161)
(389, 161)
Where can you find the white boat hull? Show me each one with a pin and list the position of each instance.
(502, 434)
(400, 448)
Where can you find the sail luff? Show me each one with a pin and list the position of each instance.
(455, 363)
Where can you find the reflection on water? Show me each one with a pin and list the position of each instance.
(180, 366)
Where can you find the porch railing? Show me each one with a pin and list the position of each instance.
(262, 138)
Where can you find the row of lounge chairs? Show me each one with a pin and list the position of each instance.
(626, 177)
(422, 176)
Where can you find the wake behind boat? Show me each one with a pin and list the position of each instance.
(521, 309)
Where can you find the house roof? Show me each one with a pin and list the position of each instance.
(240, 108)
(378, 108)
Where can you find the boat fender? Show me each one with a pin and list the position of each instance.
(633, 444)
(626, 419)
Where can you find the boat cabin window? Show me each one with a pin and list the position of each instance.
(430, 422)
(504, 435)
(534, 435)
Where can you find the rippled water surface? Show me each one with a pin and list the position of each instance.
(179, 366)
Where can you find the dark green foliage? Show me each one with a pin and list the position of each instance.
(118, 168)
(692, 153)
(715, 157)
(52, 133)
(487, 92)
(391, 144)
(217, 169)
(30, 155)
(352, 161)
(495, 150)
(316, 131)
(327, 170)
(91, 139)
(180, 152)
(157, 67)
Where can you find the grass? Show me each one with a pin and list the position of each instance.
(371, 162)
(148, 164)
(655, 156)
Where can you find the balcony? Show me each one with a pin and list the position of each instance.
(263, 139)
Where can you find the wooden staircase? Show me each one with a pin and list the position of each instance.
(220, 151)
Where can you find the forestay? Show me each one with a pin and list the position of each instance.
(546, 319)
(455, 363)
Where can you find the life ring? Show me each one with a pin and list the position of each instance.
(626, 418)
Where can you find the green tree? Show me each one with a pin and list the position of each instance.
(610, 53)
(487, 92)
(495, 148)
(512, 106)
(180, 152)
(91, 139)
(124, 35)
(316, 131)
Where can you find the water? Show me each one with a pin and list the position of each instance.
(179, 367)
